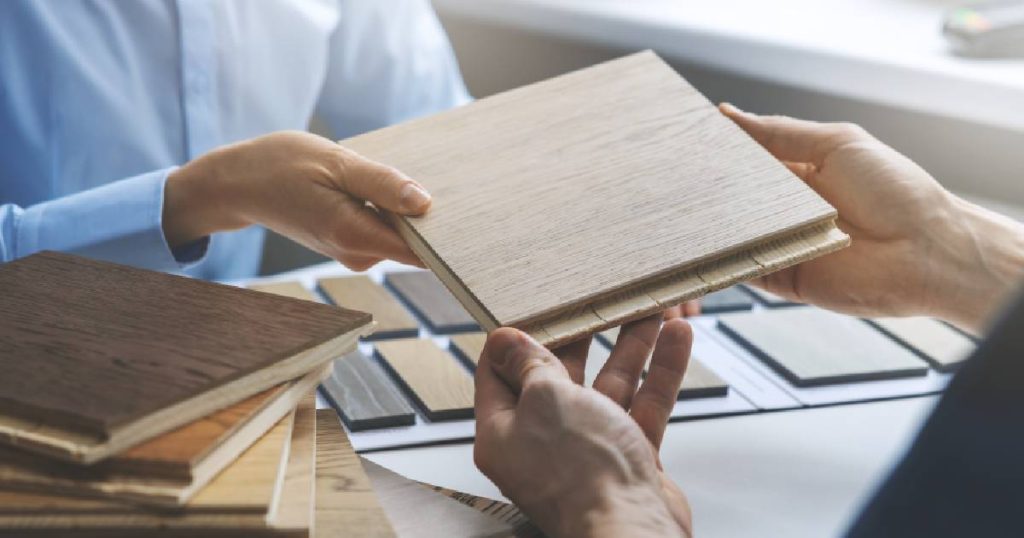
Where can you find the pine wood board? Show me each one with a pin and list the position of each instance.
(364, 396)
(292, 289)
(346, 504)
(468, 347)
(360, 293)
(39, 514)
(430, 376)
(90, 368)
(195, 453)
(941, 345)
(517, 179)
(426, 295)
(812, 347)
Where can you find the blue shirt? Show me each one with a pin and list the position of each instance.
(99, 101)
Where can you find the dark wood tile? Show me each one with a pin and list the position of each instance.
(92, 346)
(811, 347)
(431, 301)
(364, 396)
(728, 300)
(432, 377)
(361, 293)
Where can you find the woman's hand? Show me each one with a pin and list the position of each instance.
(917, 248)
(582, 461)
(300, 185)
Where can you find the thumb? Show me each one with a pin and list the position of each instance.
(381, 185)
(519, 360)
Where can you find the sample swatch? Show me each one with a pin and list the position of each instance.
(360, 293)
(364, 396)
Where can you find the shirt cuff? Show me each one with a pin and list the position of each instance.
(121, 222)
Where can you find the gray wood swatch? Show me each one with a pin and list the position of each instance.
(728, 300)
(431, 376)
(811, 347)
(431, 301)
(364, 396)
(943, 346)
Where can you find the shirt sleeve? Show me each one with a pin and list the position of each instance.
(119, 222)
(388, 62)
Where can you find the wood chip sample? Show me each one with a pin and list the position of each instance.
(361, 293)
(468, 347)
(346, 504)
(291, 289)
(431, 301)
(728, 300)
(365, 396)
(96, 359)
(701, 382)
(430, 376)
(812, 347)
(512, 230)
(943, 346)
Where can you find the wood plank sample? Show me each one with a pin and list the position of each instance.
(346, 504)
(291, 289)
(96, 359)
(502, 511)
(364, 396)
(166, 470)
(701, 382)
(441, 388)
(578, 203)
(934, 341)
(468, 347)
(297, 490)
(431, 301)
(417, 512)
(361, 293)
(728, 300)
(811, 347)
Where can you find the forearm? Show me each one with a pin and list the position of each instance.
(613, 511)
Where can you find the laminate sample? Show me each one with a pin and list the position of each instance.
(346, 504)
(364, 396)
(95, 360)
(545, 198)
(934, 341)
(169, 469)
(701, 382)
(361, 293)
(505, 512)
(728, 300)
(811, 347)
(417, 512)
(431, 301)
(300, 470)
(468, 347)
(430, 376)
(291, 289)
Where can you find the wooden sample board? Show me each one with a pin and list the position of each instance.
(505, 512)
(688, 203)
(943, 346)
(430, 376)
(168, 469)
(94, 361)
(813, 347)
(346, 504)
(360, 293)
(468, 347)
(435, 305)
(731, 299)
(292, 289)
(364, 396)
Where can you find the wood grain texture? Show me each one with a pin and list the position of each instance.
(360, 293)
(468, 347)
(417, 512)
(346, 504)
(424, 293)
(518, 178)
(505, 512)
(295, 290)
(430, 376)
(297, 491)
(364, 396)
(95, 360)
(941, 345)
(812, 347)
(728, 300)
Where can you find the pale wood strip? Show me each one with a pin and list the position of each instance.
(468, 347)
(701, 382)
(677, 288)
(505, 512)
(292, 289)
(346, 504)
(364, 396)
(296, 506)
(431, 376)
(361, 293)
(943, 346)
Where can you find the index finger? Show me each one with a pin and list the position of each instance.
(790, 139)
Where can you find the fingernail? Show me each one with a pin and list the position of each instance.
(729, 107)
(504, 348)
(413, 197)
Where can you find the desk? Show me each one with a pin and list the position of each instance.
(791, 473)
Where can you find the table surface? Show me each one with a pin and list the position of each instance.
(889, 52)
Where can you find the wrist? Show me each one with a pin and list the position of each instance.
(613, 510)
(196, 203)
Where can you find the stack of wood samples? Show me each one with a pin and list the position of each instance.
(578, 203)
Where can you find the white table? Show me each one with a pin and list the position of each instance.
(791, 473)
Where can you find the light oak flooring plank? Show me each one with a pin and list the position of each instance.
(361, 293)
(943, 346)
(439, 385)
(295, 290)
(364, 396)
(468, 347)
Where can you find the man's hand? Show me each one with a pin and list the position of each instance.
(581, 461)
(300, 185)
(917, 248)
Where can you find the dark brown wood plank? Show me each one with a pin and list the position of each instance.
(430, 376)
(361, 293)
(90, 346)
(364, 396)
(431, 301)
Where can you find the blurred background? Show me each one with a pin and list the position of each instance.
(941, 81)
